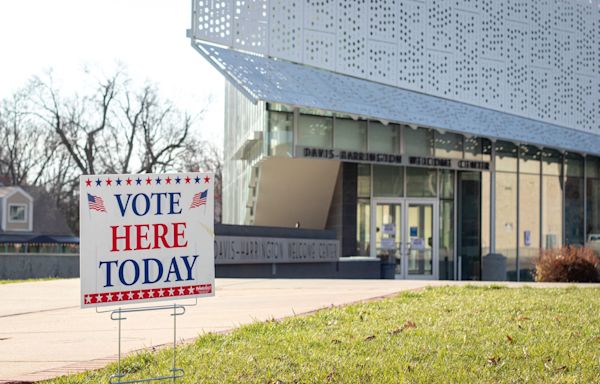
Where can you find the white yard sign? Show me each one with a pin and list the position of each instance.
(146, 237)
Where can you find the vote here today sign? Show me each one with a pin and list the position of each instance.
(146, 238)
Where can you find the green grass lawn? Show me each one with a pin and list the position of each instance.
(455, 334)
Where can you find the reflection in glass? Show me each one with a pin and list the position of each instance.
(364, 180)
(420, 244)
(315, 131)
(529, 224)
(529, 161)
(592, 239)
(446, 183)
(446, 252)
(350, 135)
(280, 133)
(388, 181)
(506, 156)
(448, 145)
(363, 227)
(574, 199)
(469, 225)
(418, 142)
(384, 138)
(485, 213)
(388, 233)
(421, 182)
(506, 221)
(552, 199)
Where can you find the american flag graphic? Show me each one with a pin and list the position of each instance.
(199, 199)
(96, 203)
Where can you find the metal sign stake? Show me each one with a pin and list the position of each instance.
(117, 315)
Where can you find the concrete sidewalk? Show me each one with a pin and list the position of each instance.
(44, 333)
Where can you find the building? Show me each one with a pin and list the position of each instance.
(35, 240)
(455, 139)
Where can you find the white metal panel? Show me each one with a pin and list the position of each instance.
(541, 47)
(213, 20)
(285, 39)
(250, 24)
(319, 49)
(352, 27)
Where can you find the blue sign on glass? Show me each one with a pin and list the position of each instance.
(414, 231)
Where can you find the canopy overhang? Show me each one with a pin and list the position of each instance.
(277, 81)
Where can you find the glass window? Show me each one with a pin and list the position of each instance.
(574, 211)
(315, 131)
(446, 184)
(364, 180)
(315, 112)
(279, 107)
(350, 135)
(418, 142)
(486, 150)
(17, 213)
(573, 165)
(363, 225)
(574, 199)
(551, 162)
(421, 182)
(529, 161)
(469, 225)
(552, 212)
(592, 239)
(388, 181)
(446, 252)
(506, 156)
(506, 220)
(485, 212)
(529, 224)
(448, 145)
(384, 138)
(280, 133)
(592, 167)
(473, 148)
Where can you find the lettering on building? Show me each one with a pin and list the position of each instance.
(255, 250)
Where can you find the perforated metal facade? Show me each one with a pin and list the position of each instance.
(534, 58)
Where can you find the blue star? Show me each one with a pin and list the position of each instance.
(98, 182)
(177, 180)
(138, 181)
(157, 180)
(118, 181)
(197, 179)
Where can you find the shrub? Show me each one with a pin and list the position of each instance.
(568, 264)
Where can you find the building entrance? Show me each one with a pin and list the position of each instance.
(405, 231)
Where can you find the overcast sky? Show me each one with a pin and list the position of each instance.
(148, 36)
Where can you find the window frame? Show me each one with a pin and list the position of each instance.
(9, 217)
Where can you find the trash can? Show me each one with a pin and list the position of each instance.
(388, 268)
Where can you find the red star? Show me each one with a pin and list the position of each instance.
(128, 181)
(148, 181)
(108, 182)
(206, 179)
(168, 180)
(88, 182)
(187, 180)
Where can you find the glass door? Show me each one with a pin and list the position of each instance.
(404, 232)
(387, 232)
(421, 239)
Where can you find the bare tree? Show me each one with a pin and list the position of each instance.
(25, 150)
(77, 121)
(202, 156)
